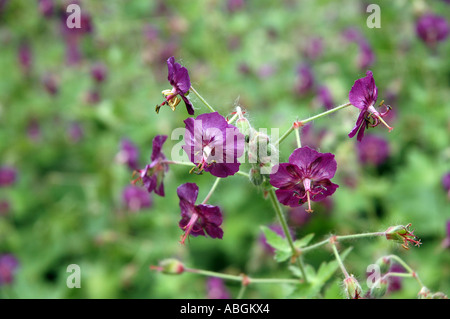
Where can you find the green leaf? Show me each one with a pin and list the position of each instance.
(299, 243)
(282, 249)
(316, 281)
(275, 240)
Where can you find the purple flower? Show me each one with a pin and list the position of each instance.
(99, 72)
(128, 154)
(324, 97)
(7, 176)
(446, 183)
(198, 219)
(395, 283)
(310, 137)
(374, 151)
(314, 48)
(8, 266)
(136, 198)
(432, 29)
(46, 8)
(366, 56)
(363, 95)
(75, 132)
(306, 177)
(305, 79)
(216, 289)
(25, 58)
(179, 79)
(213, 145)
(152, 175)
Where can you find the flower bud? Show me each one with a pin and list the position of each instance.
(352, 288)
(424, 293)
(244, 127)
(403, 235)
(379, 289)
(171, 267)
(255, 176)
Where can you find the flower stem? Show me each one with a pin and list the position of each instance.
(240, 277)
(211, 191)
(407, 268)
(343, 237)
(309, 119)
(202, 99)
(286, 231)
(297, 135)
(338, 258)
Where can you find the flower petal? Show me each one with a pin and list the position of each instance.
(285, 175)
(364, 92)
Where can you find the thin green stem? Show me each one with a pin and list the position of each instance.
(240, 278)
(241, 291)
(211, 191)
(286, 231)
(338, 238)
(202, 99)
(309, 119)
(338, 259)
(297, 135)
(233, 118)
(407, 268)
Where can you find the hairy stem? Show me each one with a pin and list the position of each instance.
(338, 258)
(241, 277)
(309, 119)
(202, 99)
(287, 233)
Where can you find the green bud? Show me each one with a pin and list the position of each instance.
(424, 293)
(244, 127)
(379, 288)
(352, 288)
(171, 266)
(255, 176)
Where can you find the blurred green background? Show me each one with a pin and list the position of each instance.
(66, 205)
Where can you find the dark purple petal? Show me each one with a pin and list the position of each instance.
(446, 181)
(323, 188)
(364, 92)
(187, 193)
(178, 76)
(7, 176)
(292, 197)
(285, 175)
(360, 122)
(129, 154)
(189, 106)
(136, 198)
(158, 142)
(323, 167)
(303, 157)
(8, 266)
(432, 28)
(374, 150)
(222, 169)
(216, 289)
(211, 219)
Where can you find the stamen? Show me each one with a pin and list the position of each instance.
(309, 210)
(189, 227)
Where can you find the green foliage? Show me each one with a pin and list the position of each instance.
(66, 206)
